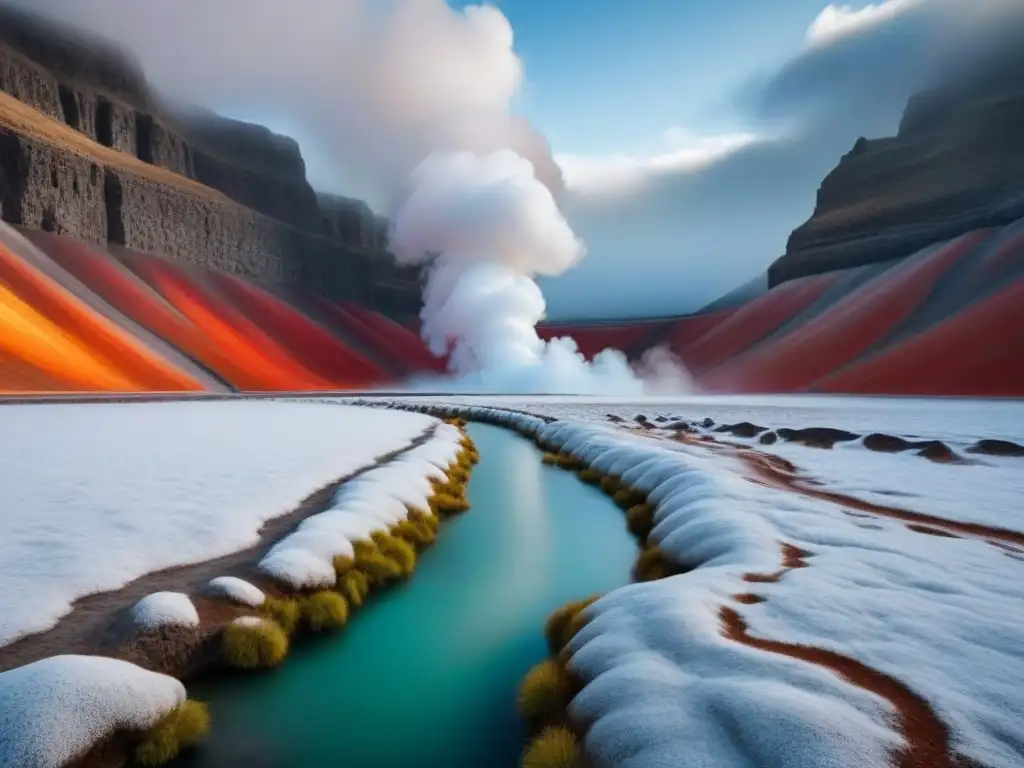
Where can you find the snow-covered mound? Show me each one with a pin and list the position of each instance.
(97, 495)
(238, 590)
(373, 501)
(801, 634)
(55, 710)
(165, 609)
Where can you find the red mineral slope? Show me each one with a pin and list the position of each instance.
(978, 352)
(844, 331)
(397, 340)
(754, 321)
(308, 342)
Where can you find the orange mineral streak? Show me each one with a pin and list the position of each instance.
(29, 336)
(259, 364)
(120, 361)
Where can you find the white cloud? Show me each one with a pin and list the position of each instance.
(837, 21)
(679, 152)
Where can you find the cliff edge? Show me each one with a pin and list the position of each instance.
(88, 149)
(956, 164)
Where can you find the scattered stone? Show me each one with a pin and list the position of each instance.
(768, 438)
(742, 429)
(681, 426)
(883, 443)
(990, 447)
(661, 419)
(613, 417)
(707, 423)
(817, 437)
(938, 451)
(642, 421)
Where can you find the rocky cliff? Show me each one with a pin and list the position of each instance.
(956, 164)
(92, 151)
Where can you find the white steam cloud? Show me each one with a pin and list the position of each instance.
(415, 96)
(491, 227)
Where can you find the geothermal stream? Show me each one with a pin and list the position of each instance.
(427, 674)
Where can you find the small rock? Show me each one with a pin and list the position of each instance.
(991, 447)
(817, 437)
(768, 438)
(883, 443)
(742, 429)
(707, 423)
(937, 451)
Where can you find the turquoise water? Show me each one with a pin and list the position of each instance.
(426, 674)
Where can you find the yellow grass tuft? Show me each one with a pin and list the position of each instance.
(254, 646)
(563, 623)
(610, 484)
(446, 504)
(283, 610)
(354, 587)
(398, 550)
(591, 476)
(555, 747)
(343, 564)
(640, 520)
(325, 610)
(544, 693)
(182, 728)
(651, 565)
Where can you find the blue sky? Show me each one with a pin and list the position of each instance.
(607, 76)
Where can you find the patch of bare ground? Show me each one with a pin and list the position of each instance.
(775, 472)
(100, 623)
(21, 118)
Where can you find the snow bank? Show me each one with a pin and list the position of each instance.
(55, 710)
(98, 495)
(238, 590)
(371, 502)
(665, 687)
(165, 609)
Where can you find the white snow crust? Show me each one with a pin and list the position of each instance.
(97, 495)
(165, 609)
(238, 590)
(54, 710)
(373, 501)
(665, 687)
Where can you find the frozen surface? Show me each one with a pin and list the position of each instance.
(373, 501)
(56, 709)
(97, 495)
(666, 686)
(238, 590)
(165, 609)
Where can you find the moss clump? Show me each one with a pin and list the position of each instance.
(640, 520)
(591, 476)
(380, 570)
(551, 458)
(446, 504)
(651, 565)
(398, 550)
(610, 484)
(418, 534)
(343, 564)
(325, 610)
(555, 747)
(283, 610)
(354, 587)
(544, 693)
(626, 497)
(181, 728)
(362, 549)
(563, 624)
(254, 645)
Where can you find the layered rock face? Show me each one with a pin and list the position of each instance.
(266, 223)
(957, 164)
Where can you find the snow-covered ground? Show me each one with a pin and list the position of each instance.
(94, 496)
(984, 491)
(920, 634)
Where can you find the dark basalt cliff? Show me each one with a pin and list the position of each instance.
(235, 198)
(956, 164)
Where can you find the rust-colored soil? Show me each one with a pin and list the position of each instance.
(21, 118)
(926, 735)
